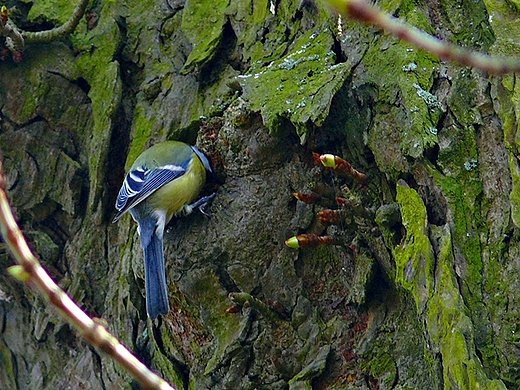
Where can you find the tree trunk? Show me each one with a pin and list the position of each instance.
(419, 290)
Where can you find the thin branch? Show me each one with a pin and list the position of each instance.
(31, 272)
(13, 36)
(243, 299)
(361, 10)
(16, 39)
(61, 31)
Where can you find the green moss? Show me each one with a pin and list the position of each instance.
(512, 141)
(461, 186)
(28, 107)
(206, 294)
(506, 27)
(9, 371)
(210, 14)
(98, 67)
(139, 16)
(462, 96)
(271, 27)
(405, 93)
(168, 370)
(414, 12)
(382, 367)
(303, 380)
(407, 114)
(509, 97)
(501, 271)
(170, 104)
(414, 257)
(469, 23)
(451, 329)
(396, 349)
(31, 98)
(58, 11)
(181, 340)
(298, 87)
(515, 193)
(447, 323)
(142, 126)
(255, 15)
(464, 204)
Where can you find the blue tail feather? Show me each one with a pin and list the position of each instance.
(155, 278)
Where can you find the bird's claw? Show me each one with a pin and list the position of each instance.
(202, 202)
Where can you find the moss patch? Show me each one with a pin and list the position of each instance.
(437, 295)
(506, 27)
(407, 113)
(55, 11)
(298, 87)
(142, 126)
(204, 40)
(97, 66)
(451, 329)
(205, 293)
(414, 257)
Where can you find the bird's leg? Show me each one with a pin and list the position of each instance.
(201, 203)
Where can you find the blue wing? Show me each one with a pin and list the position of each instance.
(141, 182)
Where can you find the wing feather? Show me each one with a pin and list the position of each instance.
(141, 182)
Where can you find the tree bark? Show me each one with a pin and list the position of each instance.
(420, 290)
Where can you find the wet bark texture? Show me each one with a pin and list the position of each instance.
(422, 289)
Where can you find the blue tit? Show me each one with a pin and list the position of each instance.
(162, 182)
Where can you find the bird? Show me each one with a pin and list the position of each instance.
(162, 183)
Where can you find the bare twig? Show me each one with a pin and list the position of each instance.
(243, 299)
(16, 39)
(31, 272)
(13, 36)
(361, 10)
(58, 32)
